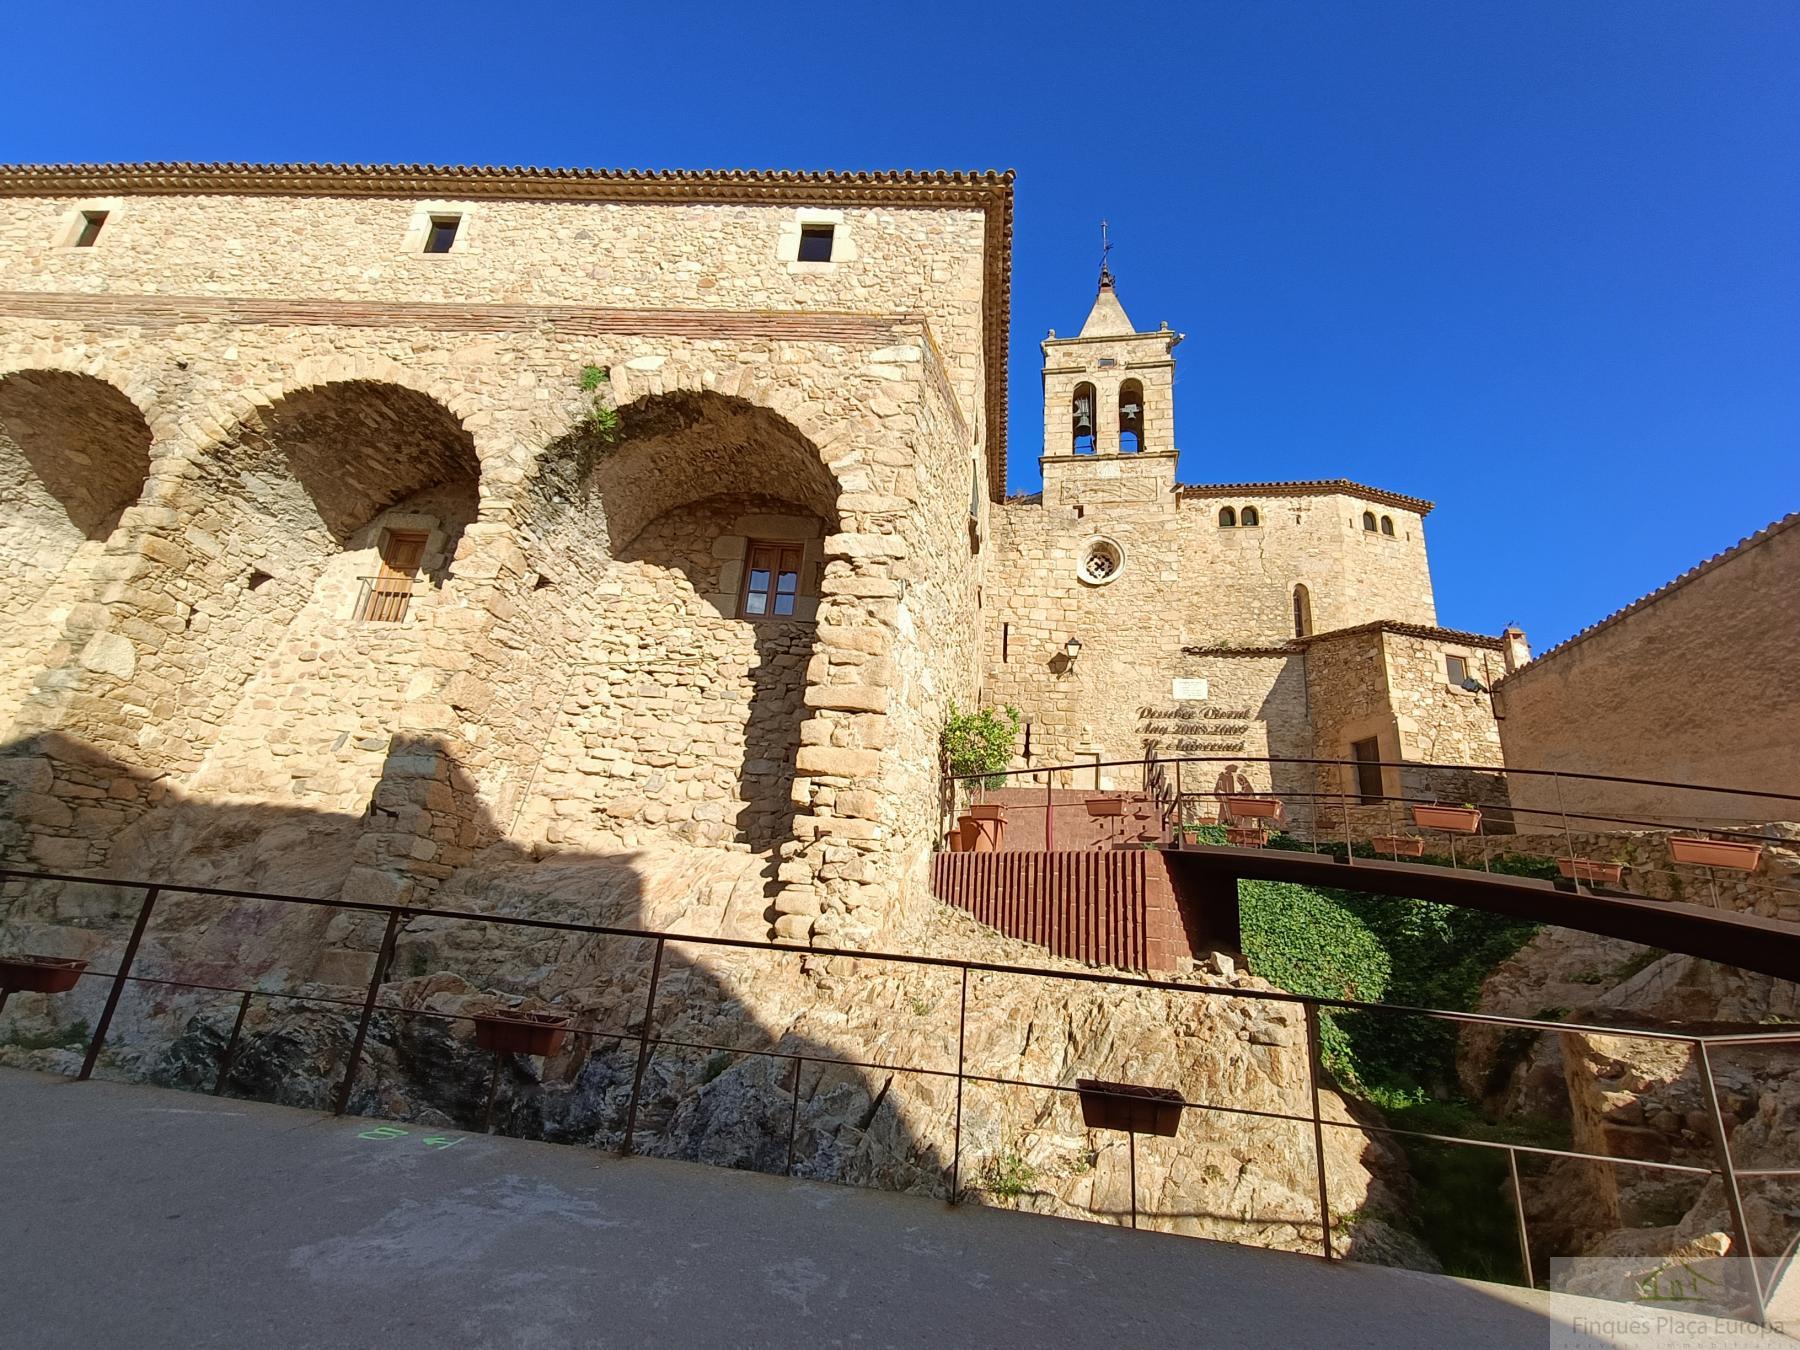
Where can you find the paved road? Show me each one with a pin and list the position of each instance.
(135, 1216)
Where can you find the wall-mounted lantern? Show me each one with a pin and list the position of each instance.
(1072, 649)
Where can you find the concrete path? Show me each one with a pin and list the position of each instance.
(135, 1216)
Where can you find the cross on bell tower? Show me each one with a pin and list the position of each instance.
(1109, 390)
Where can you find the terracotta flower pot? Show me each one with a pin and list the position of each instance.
(1105, 806)
(1591, 869)
(1716, 853)
(521, 1033)
(1456, 819)
(1256, 808)
(39, 974)
(1246, 836)
(988, 811)
(1400, 845)
(982, 835)
(1129, 1106)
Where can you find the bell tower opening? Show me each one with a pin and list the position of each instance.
(1109, 429)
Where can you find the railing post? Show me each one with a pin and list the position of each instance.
(794, 1113)
(231, 1045)
(118, 985)
(643, 1061)
(368, 1010)
(1314, 1069)
(1734, 1200)
(1049, 813)
(1512, 1161)
(962, 1027)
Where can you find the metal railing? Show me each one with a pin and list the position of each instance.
(648, 1040)
(1343, 818)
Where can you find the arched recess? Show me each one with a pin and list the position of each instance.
(1084, 414)
(74, 453)
(1131, 417)
(678, 574)
(1303, 619)
(313, 506)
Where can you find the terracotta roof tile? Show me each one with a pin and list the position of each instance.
(1308, 488)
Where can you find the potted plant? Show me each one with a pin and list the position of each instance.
(39, 974)
(1398, 845)
(515, 1031)
(1132, 1107)
(1591, 869)
(1733, 853)
(980, 742)
(1464, 819)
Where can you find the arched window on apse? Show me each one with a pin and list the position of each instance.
(1227, 517)
(1131, 417)
(1302, 612)
(1082, 416)
(1249, 517)
(1369, 521)
(1387, 526)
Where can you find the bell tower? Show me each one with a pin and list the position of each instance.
(1109, 415)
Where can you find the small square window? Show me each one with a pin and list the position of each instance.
(1457, 669)
(91, 223)
(815, 242)
(442, 233)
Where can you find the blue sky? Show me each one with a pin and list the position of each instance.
(1537, 260)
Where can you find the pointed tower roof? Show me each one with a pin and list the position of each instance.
(1107, 318)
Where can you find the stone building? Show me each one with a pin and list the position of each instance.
(1285, 620)
(1644, 694)
(586, 512)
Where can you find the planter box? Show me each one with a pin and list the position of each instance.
(521, 1033)
(1256, 808)
(1591, 869)
(1246, 836)
(1130, 1107)
(39, 974)
(1456, 819)
(1716, 853)
(1399, 845)
(1105, 806)
(988, 811)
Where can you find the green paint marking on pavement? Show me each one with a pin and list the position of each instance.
(395, 1132)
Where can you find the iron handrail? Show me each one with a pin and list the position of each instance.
(647, 1039)
(1498, 769)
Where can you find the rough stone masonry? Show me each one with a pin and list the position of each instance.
(575, 512)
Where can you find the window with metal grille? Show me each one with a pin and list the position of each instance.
(91, 224)
(1367, 755)
(442, 233)
(771, 581)
(815, 242)
(385, 596)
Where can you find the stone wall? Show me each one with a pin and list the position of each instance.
(1188, 600)
(571, 674)
(1691, 685)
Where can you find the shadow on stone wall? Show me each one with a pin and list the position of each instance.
(713, 1099)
